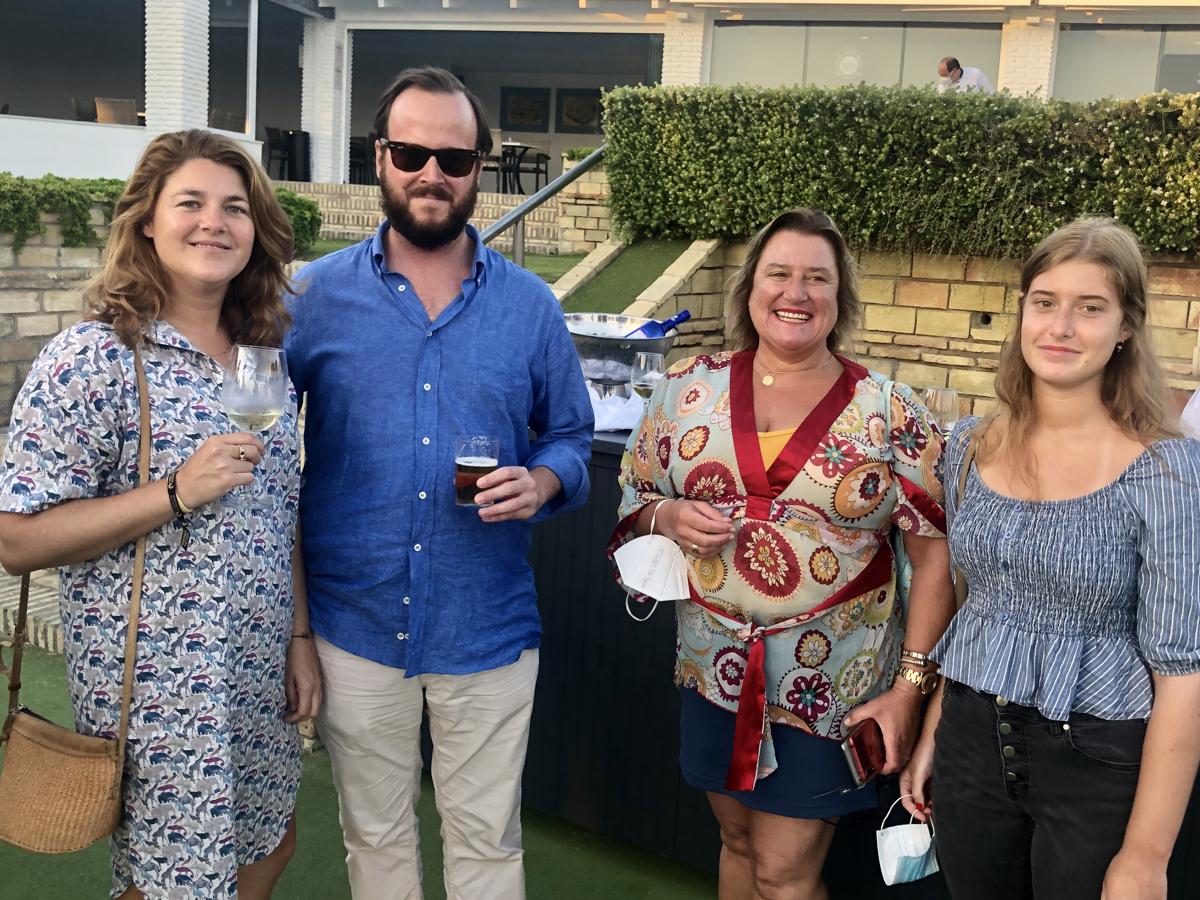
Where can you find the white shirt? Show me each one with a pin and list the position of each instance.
(972, 80)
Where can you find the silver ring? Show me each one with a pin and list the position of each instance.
(695, 549)
(241, 453)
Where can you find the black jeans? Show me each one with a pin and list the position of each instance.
(1026, 807)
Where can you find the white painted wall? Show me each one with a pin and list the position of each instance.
(35, 147)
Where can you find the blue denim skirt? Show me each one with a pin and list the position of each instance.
(811, 782)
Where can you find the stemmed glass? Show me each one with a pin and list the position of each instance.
(942, 404)
(648, 370)
(254, 395)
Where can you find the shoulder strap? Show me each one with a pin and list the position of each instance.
(960, 580)
(135, 603)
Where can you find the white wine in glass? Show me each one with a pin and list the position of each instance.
(254, 393)
(648, 370)
(942, 404)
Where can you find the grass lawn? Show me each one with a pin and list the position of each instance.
(562, 862)
(618, 284)
(550, 266)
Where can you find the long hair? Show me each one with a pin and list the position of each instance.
(132, 289)
(743, 335)
(1133, 389)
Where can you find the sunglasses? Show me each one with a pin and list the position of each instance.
(412, 158)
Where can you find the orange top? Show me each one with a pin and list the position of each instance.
(771, 443)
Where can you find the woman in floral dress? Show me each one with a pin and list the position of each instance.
(782, 471)
(193, 266)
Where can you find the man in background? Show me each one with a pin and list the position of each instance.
(954, 77)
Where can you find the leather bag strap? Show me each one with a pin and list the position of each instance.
(135, 602)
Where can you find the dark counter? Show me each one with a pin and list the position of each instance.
(604, 739)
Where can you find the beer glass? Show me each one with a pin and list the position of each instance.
(474, 456)
(942, 404)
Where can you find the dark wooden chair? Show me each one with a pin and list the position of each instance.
(85, 109)
(277, 149)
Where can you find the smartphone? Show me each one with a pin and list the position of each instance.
(864, 751)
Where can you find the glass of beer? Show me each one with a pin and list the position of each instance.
(474, 456)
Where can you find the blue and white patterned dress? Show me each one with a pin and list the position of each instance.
(211, 768)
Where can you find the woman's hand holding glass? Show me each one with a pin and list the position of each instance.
(222, 463)
(696, 526)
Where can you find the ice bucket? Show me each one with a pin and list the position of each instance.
(605, 354)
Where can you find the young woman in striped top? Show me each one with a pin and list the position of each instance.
(1065, 747)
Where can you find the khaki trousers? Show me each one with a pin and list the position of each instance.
(370, 722)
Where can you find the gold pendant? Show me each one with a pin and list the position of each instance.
(768, 380)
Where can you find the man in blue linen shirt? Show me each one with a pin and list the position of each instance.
(400, 345)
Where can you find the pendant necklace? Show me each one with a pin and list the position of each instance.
(769, 379)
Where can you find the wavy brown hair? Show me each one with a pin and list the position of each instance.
(743, 335)
(1133, 389)
(131, 289)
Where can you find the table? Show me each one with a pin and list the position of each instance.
(512, 154)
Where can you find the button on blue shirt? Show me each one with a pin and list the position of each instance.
(396, 572)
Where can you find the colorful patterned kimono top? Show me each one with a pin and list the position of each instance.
(795, 622)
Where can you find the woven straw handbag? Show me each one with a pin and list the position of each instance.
(60, 790)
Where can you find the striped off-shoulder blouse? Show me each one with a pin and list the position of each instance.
(1073, 603)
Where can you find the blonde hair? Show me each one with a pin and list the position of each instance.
(802, 221)
(1133, 389)
(131, 289)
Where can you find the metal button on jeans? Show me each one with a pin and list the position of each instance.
(1011, 776)
(1005, 728)
(1001, 701)
(1008, 751)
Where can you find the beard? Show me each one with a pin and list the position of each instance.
(429, 235)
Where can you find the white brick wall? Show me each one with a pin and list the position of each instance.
(687, 45)
(176, 64)
(324, 98)
(1027, 53)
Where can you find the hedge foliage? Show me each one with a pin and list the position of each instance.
(22, 200)
(903, 169)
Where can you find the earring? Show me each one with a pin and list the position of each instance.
(1120, 346)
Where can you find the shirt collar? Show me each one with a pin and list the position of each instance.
(163, 332)
(478, 263)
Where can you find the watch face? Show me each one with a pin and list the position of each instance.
(928, 683)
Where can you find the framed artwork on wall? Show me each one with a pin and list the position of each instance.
(524, 109)
(578, 111)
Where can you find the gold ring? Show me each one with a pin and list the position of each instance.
(241, 453)
(695, 549)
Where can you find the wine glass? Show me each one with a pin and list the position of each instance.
(942, 404)
(254, 394)
(648, 370)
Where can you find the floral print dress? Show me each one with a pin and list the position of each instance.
(796, 621)
(211, 769)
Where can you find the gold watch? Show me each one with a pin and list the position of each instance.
(925, 682)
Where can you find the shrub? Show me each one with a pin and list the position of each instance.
(575, 154)
(22, 200)
(902, 169)
(306, 220)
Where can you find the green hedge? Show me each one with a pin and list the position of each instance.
(903, 169)
(22, 200)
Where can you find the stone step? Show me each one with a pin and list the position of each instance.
(43, 624)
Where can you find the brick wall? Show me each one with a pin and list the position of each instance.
(40, 294)
(1028, 46)
(936, 321)
(583, 218)
(324, 108)
(687, 41)
(695, 282)
(176, 65)
(940, 321)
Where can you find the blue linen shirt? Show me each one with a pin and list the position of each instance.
(396, 572)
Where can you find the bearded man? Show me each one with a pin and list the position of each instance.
(401, 345)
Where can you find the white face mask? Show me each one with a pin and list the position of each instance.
(653, 565)
(905, 851)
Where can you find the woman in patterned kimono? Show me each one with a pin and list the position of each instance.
(194, 265)
(782, 471)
